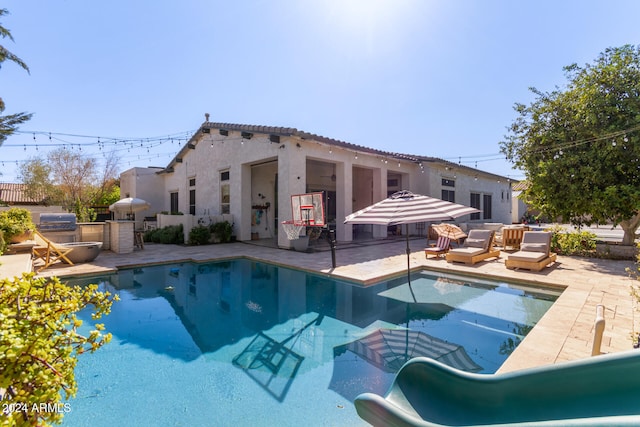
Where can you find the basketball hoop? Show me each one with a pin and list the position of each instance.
(292, 229)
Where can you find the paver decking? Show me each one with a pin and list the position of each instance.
(564, 333)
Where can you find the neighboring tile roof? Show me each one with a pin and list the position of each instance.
(520, 186)
(287, 131)
(14, 194)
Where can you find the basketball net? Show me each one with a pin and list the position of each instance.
(292, 229)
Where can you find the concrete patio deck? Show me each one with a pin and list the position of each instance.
(564, 333)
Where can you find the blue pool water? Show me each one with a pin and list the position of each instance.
(242, 343)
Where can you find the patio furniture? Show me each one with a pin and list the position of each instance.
(451, 231)
(138, 239)
(441, 247)
(49, 252)
(598, 391)
(477, 247)
(512, 237)
(535, 252)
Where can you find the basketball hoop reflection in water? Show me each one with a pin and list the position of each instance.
(274, 364)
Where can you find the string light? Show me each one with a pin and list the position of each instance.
(83, 143)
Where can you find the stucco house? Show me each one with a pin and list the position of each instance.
(250, 173)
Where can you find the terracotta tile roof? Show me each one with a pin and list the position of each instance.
(519, 186)
(14, 194)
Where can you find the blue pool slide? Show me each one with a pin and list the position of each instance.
(600, 391)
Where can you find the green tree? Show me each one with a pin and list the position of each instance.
(579, 146)
(73, 180)
(9, 123)
(40, 341)
(36, 175)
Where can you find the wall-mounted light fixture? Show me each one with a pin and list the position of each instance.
(282, 146)
(298, 145)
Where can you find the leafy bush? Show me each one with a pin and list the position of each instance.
(199, 235)
(222, 231)
(3, 245)
(572, 242)
(15, 221)
(40, 343)
(635, 293)
(173, 234)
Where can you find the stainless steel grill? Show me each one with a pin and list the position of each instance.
(57, 222)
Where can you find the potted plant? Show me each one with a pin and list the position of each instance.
(16, 225)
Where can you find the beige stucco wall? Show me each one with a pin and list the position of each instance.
(143, 183)
(467, 182)
(519, 208)
(258, 166)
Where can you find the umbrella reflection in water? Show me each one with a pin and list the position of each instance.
(389, 349)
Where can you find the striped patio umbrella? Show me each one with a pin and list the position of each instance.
(404, 207)
(450, 231)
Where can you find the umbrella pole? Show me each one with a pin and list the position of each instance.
(406, 339)
(409, 263)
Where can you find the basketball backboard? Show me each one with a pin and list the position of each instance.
(308, 209)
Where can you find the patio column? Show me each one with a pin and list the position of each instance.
(379, 192)
(242, 211)
(292, 173)
(344, 202)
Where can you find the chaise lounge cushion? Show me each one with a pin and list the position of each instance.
(536, 241)
(534, 247)
(475, 243)
(468, 251)
(529, 256)
(479, 239)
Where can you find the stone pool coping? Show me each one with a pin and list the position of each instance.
(564, 333)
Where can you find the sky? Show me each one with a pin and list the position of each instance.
(434, 78)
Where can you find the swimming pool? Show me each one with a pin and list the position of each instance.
(246, 343)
